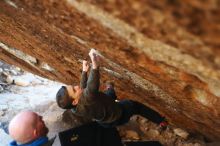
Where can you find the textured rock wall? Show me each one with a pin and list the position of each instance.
(150, 54)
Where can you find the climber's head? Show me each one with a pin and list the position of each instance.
(68, 96)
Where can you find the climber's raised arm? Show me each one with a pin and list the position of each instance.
(94, 77)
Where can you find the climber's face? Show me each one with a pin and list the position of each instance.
(75, 93)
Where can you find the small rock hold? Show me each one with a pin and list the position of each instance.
(132, 135)
(143, 121)
(144, 128)
(1, 113)
(153, 132)
(6, 70)
(9, 79)
(4, 74)
(197, 144)
(1, 89)
(18, 69)
(20, 82)
(169, 134)
(3, 107)
(217, 143)
(134, 118)
(181, 133)
(13, 72)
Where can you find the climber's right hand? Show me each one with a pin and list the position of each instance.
(94, 58)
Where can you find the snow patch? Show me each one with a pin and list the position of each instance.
(38, 91)
(4, 138)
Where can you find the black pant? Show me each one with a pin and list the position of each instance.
(130, 108)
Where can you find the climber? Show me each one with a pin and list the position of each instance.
(87, 100)
(28, 129)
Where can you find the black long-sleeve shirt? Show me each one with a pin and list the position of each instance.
(94, 104)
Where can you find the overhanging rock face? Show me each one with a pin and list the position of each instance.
(171, 73)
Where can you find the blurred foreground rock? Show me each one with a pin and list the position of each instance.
(181, 133)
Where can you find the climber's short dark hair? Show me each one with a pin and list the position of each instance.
(63, 99)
